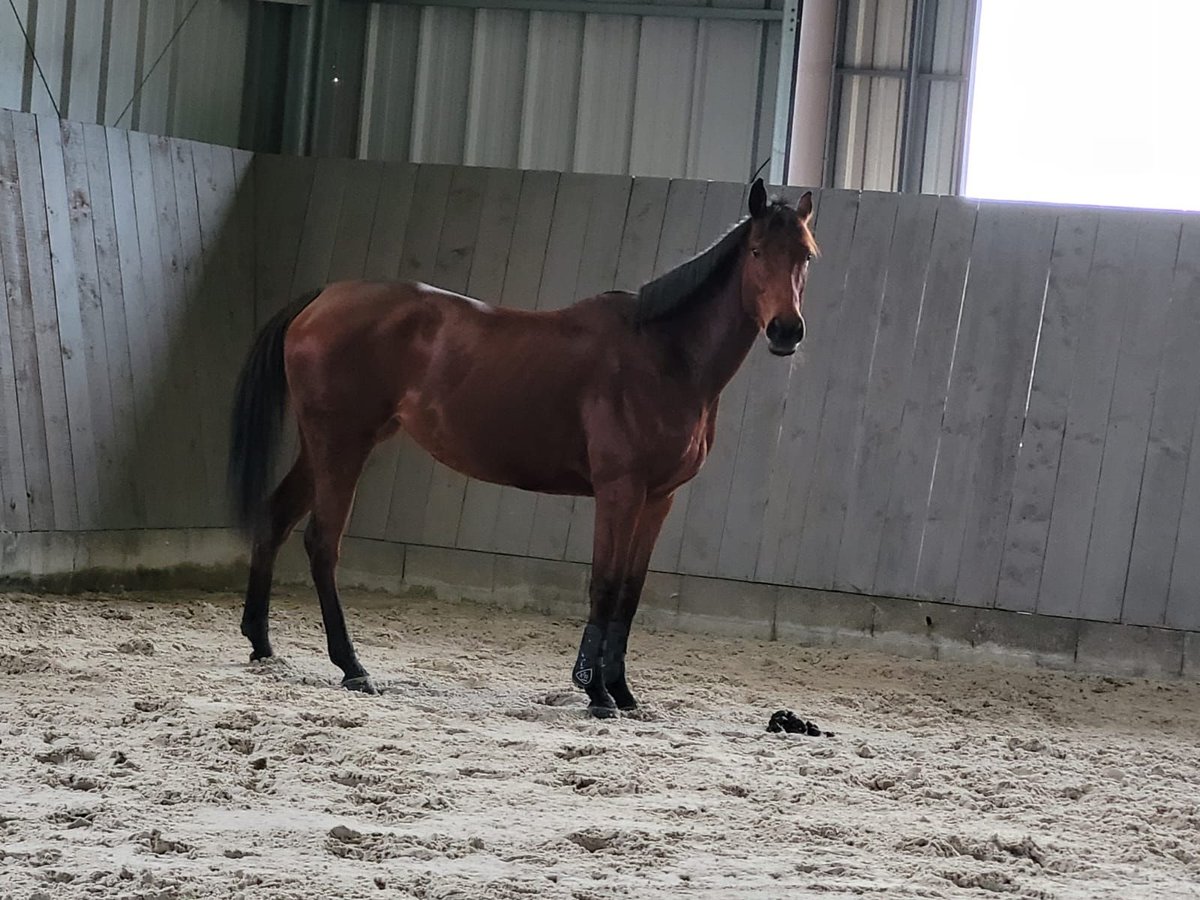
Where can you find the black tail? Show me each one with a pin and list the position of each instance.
(258, 415)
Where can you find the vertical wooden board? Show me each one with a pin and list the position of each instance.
(14, 510)
(722, 208)
(568, 228)
(242, 187)
(878, 448)
(602, 244)
(981, 325)
(607, 80)
(320, 225)
(1142, 335)
(452, 271)
(792, 475)
(216, 319)
(1162, 507)
(497, 220)
(1019, 288)
(135, 285)
(925, 400)
(281, 192)
(107, 481)
(148, 331)
(122, 506)
(384, 252)
(42, 285)
(26, 466)
(1182, 610)
(1038, 457)
(186, 478)
(724, 105)
(968, 510)
(199, 327)
(549, 107)
(841, 413)
(643, 225)
(390, 221)
(662, 115)
(356, 221)
(597, 272)
(1109, 284)
(70, 318)
(414, 467)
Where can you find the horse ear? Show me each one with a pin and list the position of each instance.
(758, 198)
(804, 207)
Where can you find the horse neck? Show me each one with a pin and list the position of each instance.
(713, 334)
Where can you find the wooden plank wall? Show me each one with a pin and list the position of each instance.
(128, 268)
(996, 404)
(980, 414)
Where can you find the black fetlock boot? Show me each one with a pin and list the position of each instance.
(588, 673)
(616, 639)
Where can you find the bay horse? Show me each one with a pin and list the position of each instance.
(614, 397)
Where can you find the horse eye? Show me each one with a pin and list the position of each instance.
(757, 253)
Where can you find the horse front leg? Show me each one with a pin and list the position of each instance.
(618, 509)
(616, 636)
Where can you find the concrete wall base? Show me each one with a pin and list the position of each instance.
(216, 559)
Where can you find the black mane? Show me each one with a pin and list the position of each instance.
(673, 290)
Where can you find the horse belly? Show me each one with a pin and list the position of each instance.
(501, 445)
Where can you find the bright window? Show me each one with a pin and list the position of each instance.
(1087, 102)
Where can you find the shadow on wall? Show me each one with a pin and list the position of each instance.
(128, 268)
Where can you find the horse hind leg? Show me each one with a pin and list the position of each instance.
(287, 505)
(336, 469)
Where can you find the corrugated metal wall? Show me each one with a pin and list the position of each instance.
(95, 53)
(569, 91)
(871, 93)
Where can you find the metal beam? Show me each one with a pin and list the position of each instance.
(784, 91)
(604, 7)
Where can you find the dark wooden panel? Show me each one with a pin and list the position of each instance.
(26, 465)
(43, 301)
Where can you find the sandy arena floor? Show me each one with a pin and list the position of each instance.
(142, 756)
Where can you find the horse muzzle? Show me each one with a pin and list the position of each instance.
(783, 337)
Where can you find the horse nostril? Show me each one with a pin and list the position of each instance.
(791, 333)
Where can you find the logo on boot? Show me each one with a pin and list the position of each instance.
(583, 677)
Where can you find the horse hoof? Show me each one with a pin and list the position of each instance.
(361, 683)
(622, 696)
(261, 654)
(602, 712)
